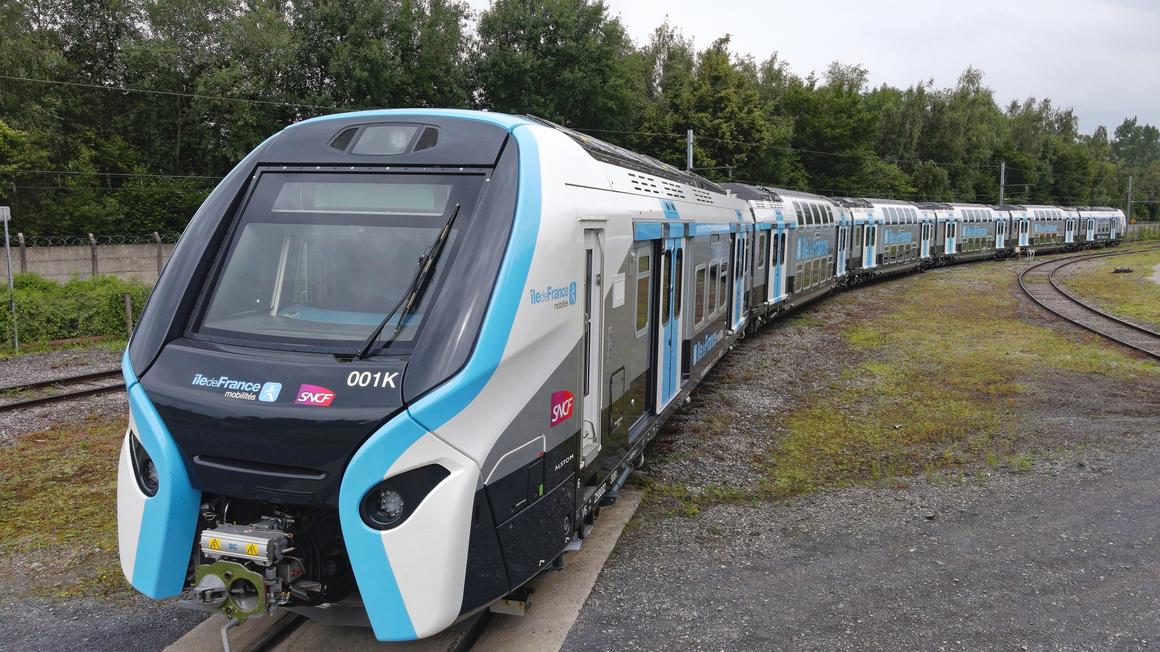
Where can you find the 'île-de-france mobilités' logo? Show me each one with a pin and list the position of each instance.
(559, 297)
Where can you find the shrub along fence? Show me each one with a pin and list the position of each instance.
(47, 311)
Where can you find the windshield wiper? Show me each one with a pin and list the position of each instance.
(410, 300)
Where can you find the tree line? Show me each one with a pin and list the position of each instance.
(119, 116)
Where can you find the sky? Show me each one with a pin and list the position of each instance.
(1099, 57)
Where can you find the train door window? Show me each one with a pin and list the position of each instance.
(858, 237)
(761, 250)
(711, 297)
(722, 284)
(701, 290)
(678, 284)
(643, 292)
(666, 266)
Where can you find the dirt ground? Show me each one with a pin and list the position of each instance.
(994, 490)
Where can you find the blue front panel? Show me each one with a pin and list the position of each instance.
(169, 519)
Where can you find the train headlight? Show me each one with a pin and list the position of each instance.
(390, 506)
(143, 467)
(390, 502)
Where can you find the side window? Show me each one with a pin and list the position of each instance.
(699, 304)
(678, 283)
(643, 292)
(801, 216)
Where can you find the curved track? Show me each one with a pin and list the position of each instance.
(1038, 282)
(61, 389)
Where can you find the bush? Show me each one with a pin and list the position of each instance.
(80, 308)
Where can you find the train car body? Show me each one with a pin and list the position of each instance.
(1047, 228)
(1099, 226)
(295, 441)
(399, 359)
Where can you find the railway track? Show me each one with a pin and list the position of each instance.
(16, 397)
(1039, 283)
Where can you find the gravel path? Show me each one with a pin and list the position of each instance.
(35, 367)
(139, 624)
(1060, 557)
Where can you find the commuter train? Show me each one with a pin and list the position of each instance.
(400, 359)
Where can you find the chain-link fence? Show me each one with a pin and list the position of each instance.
(77, 288)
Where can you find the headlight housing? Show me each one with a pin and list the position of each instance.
(389, 503)
(144, 469)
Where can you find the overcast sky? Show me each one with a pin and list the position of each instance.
(1100, 57)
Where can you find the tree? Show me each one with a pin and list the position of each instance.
(564, 60)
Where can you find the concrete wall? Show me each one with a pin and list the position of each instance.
(136, 262)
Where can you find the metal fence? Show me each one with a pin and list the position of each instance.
(79, 288)
(137, 257)
(1142, 231)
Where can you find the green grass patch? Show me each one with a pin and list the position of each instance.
(934, 380)
(940, 372)
(1132, 296)
(58, 488)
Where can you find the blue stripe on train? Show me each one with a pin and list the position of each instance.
(377, 584)
(169, 519)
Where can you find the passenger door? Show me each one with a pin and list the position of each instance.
(591, 432)
(670, 274)
(841, 269)
(740, 247)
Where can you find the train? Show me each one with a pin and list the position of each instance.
(400, 359)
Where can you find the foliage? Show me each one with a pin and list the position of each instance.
(212, 78)
(50, 311)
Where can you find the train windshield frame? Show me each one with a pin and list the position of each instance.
(315, 260)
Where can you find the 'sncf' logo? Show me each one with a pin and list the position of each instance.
(314, 395)
(562, 403)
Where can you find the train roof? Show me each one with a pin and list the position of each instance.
(852, 202)
(754, 192)
(616, 155)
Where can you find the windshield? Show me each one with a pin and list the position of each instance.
(317, 260)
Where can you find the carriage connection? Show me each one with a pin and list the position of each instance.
(400, 358)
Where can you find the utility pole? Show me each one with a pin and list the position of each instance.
(1002, 180)
(5, 215)
(689, 151)
(1129, 212)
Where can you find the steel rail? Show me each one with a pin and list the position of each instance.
(1153, 338)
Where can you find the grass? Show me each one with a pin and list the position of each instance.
(1132, 296)
(114, 344)
(935, 380)
(58, 488)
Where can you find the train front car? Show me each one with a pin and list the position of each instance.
(342, 341)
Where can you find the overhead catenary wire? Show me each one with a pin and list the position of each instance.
(205, 96)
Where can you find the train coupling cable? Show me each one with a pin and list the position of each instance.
(234, 622)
